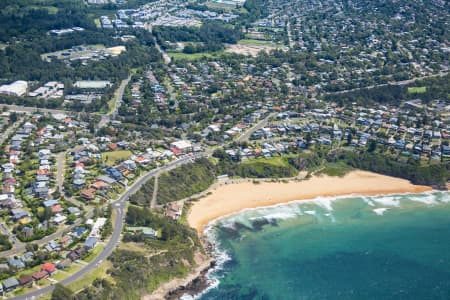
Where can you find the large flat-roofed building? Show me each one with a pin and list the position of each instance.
(182, 146)
(17, 88)
(52, 89)
(93, 84)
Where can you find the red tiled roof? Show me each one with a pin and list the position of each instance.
(48, 267)
(99, 185)
(40, 275)
(56, 208)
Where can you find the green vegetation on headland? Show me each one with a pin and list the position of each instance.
(143, 196)
(260, 168)
(186, 181)
(140, 265)
(436, 174)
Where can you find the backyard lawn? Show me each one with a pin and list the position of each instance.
(110, 158)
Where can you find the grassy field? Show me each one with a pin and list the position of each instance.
(224, 6)
(252, 42)
(274, 167)
(279, 161)
(110, 158)
(180, 55)
(99, 272)
(417, 90)
(62, 274)
(97, 22)
(51, 9)
(94, 253)
(336, 169)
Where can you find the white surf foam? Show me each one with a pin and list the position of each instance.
(380, 211)
(221, 257)
(429, 199)
(387, 200)
(293, 209)
(445, 197)
(368, 201)
(325, 202)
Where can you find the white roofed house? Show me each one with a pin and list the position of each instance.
(174, 210)
(181, 147)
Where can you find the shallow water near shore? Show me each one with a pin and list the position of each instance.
(381, 247)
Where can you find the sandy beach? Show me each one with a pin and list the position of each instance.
(232, 198)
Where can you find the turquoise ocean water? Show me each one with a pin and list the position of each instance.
(383, 247)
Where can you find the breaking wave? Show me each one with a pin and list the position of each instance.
(315, 208)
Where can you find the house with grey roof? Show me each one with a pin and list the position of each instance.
(16, 263)
(107, 179)
(10, 284)
(90, 242)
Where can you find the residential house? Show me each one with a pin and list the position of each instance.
(64, 263)
(26, 280)
(99, 185)
(53, 246)
(88, 194)
(16, 263)
(10, 284)
(40, 275)
(90, 242)
(173, 211)
(27, 257)
(74, 210)
(50, 268)
(73, 255)
(19, 213)
(147, 232)
(59, 219)
(106, 179)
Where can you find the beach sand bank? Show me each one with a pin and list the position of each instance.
(232, 198)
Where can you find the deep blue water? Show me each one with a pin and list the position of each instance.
(385, 247)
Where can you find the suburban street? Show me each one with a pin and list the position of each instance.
(118, 95)
(165, 56)
(115, 238)
(397, 83)
(246, 135)
(119, 206)
(21, 248)
(29, 110)
(10, 130)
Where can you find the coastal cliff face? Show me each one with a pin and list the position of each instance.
(192, 284)
(140, 265)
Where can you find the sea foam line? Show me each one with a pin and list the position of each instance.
(222, 256)
(324, 202)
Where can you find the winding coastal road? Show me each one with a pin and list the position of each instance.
(119, 207)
